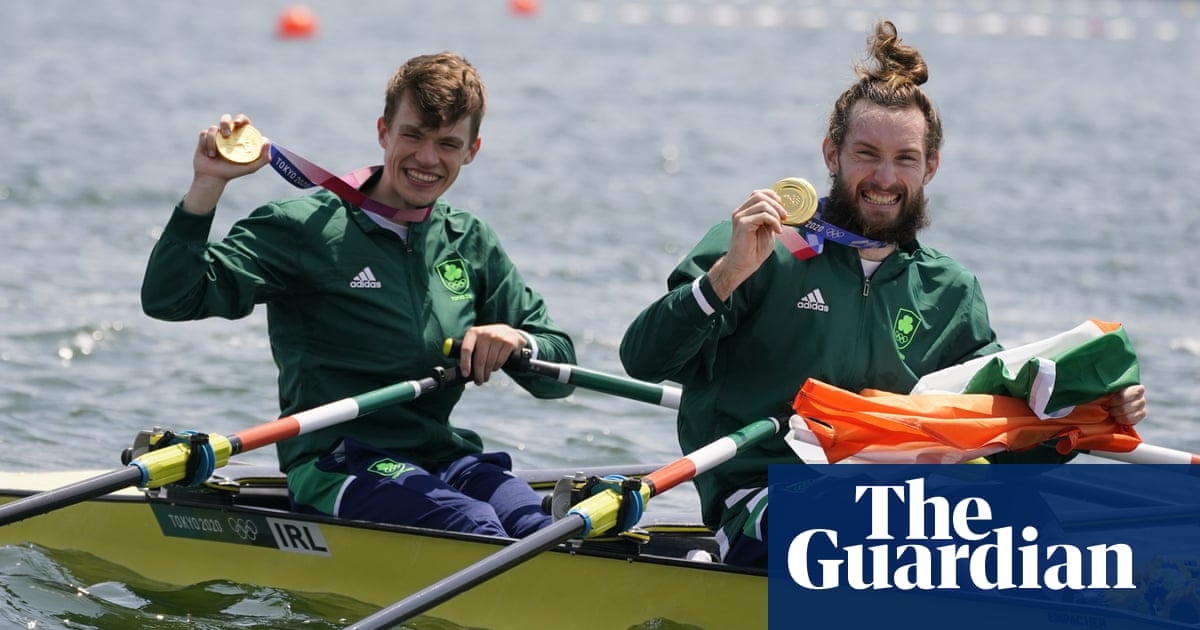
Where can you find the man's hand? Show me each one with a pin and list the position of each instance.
(756, 223)
(486, 348)
(1128, 405)
(211, 171)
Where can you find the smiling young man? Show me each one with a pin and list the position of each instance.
(362, 295)
(746, 320)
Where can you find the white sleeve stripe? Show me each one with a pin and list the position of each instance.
(700, 300)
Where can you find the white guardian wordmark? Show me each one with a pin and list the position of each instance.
(974, 555)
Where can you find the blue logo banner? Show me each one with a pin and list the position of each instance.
(1015, 547)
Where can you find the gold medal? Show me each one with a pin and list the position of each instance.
(799, 199)
(242, 146)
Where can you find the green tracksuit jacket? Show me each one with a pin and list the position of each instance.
(745, 358)
(351, 307)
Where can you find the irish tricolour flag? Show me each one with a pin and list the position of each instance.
(1011, 400)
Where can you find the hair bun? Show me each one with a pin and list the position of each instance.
(894, 62)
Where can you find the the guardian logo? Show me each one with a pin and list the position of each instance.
(974, 555)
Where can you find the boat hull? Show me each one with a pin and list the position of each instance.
(181, 541)
(187, 538)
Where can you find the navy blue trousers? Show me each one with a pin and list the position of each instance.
(477, 493)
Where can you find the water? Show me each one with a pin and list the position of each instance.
(617, 133)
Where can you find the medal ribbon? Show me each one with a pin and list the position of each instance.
(304, 174)
(808, 240)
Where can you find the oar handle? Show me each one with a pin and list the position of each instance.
(523, 361)
(668, 396)
(711, 455)
(1149, 454)
(342, 410)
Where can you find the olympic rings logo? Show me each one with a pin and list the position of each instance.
(835, 234)
(244, 528)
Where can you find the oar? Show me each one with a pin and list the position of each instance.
(574, 375)
(668, 396)
(1150, 454)
(1141, 454)
(174, 462)
(594, 515)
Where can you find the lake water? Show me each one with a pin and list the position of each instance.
(617, 133)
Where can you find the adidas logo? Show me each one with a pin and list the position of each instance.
(365, 280)
(814, 301)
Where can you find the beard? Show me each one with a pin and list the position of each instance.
(841, 209)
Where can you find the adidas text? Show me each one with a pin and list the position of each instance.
(814, 301)
(365, 280)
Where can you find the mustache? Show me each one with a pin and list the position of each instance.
(841, 209)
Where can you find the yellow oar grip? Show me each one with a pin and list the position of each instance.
(169, 463)
(600, 510)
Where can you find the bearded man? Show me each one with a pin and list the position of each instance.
(758, 307)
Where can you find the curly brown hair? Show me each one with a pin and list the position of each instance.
(894, 80)
(444, 87)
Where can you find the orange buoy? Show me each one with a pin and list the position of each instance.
(296, 21)
(523, 7)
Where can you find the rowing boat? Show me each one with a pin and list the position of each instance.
(238, 527)
(660, 574)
